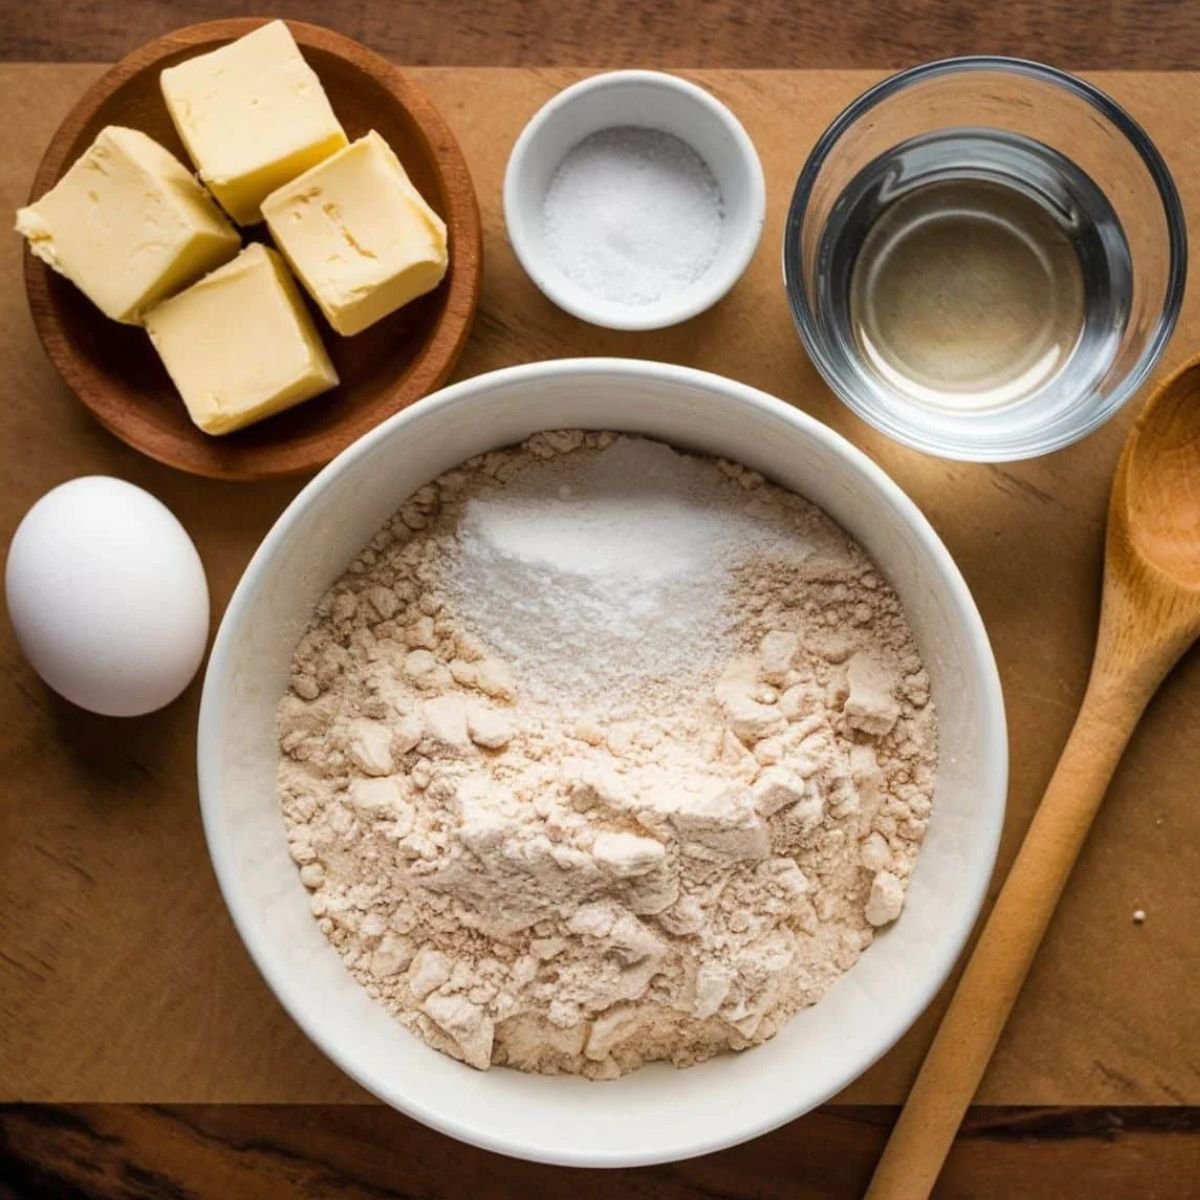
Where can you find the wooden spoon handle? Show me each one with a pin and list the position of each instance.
(985, 996)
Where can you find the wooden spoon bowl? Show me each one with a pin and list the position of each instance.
(1159, 501)
(114, 370)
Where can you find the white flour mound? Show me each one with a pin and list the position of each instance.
(602, 571)
(601, 754)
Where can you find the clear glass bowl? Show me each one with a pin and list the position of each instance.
(1054, 109)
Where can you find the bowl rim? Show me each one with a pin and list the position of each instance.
(696, 299)
(1173, 214)
(216, 457)
(221, 669)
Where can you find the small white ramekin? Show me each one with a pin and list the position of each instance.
(654, 100)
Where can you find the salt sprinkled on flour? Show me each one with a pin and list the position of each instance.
(627, 553)
(633, 215)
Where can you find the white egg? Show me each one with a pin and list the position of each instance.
(107, 596)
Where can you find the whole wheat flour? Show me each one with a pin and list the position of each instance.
(600, 754)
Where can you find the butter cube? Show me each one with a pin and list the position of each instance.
(358, 234)
(128, 225)
(252, 115)
(240, 345)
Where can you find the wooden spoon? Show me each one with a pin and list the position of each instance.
(1150, 615)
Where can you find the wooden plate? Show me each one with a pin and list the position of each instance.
(114, 370)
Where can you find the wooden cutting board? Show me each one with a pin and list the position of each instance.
(121, 978)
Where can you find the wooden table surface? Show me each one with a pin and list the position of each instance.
(141, 1056)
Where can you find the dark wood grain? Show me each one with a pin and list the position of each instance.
(114, 370)
(1120, 34)
(362, 1152)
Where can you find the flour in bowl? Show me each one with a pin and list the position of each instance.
(601, 754)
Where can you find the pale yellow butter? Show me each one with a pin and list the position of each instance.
(128, 225)
(358, 234)
(240, 344)
(252, 115)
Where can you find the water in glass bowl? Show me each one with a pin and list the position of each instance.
(977, 269)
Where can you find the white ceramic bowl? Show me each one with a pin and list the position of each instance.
(657, 1113)
(653, 100)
